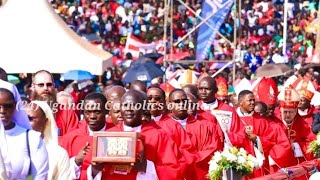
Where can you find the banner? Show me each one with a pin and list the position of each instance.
(136, 46)
(217, 10)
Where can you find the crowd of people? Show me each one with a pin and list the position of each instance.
(259, 26)
(44, 137)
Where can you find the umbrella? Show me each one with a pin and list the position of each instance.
(143, 71)
(77, 75)
(91, 37)
(13, 79)
(153, 56)
(272, 70)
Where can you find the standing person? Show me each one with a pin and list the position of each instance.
(205, 139)
(298, 131)
(281, 153)
(227, 117)
(41, 119)
(28, 154)
(305, 109)
(257, 130)
(43, 90)
(158, 160)
(78, 142)
(156, 97)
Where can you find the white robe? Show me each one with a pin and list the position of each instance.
(18, 154)
(59, 163)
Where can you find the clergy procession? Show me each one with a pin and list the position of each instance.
(159, 90)
(179, 133)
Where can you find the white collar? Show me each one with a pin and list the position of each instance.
(156, 118)
(101, 130)
(182, 122)
(242, 114)
(303, 113)
(285, 123)
(209, 106)
(131, 129)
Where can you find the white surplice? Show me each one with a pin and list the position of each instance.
(59, 162)
(18, 154)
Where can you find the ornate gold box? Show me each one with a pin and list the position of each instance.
(114, 147)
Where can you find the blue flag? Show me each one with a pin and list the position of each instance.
(218, 10)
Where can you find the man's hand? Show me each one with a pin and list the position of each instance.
(250, 134)
(96, 168)
(81, 155)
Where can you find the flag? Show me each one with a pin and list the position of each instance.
(136, 46)
(218, 10)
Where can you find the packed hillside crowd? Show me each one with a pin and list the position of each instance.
(274, 125)
(260, 25)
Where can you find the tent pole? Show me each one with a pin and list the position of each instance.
(234, 41)
(171, 29)
(165, 58)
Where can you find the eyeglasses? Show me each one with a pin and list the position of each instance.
(157, 98)
(43, 84)
(178, 101)
(7, 106)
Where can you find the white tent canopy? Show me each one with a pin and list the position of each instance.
(34, 37)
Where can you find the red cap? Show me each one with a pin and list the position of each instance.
(289, 98)
(222, 85)
(266, 91)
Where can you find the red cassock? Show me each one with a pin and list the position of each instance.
(309, 117)
(174, 130)
(301, 133)
(281, 153)
(74, 141)
(66, 120)
(236, 133)
(260, 128)
(205, 138)
(210, 121)
(159, 149)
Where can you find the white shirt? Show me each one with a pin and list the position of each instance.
(303, 113)
(157, 118)
(101, 130)
(182, 122)
(209, 106)
(131, 129)
(242, 114)
(76, 168)
(19, 158)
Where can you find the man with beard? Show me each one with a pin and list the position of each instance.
(158, 158)
(256, 129)
(227, 117)
(266, 91)
(43, 90)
